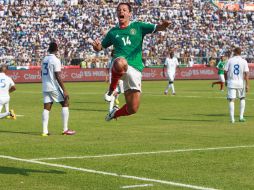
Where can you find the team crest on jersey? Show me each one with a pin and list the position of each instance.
(133, 31)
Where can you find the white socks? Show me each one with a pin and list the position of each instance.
(111, 103)
(232, 111)
(173, 88)
(171, 85)
(45, 120)
(2, 115)
(65, 118)
(242, 108)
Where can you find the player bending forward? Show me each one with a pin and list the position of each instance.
(6, 86)
(171, 63)
(126, 38)
(237, 76)
(54, 90)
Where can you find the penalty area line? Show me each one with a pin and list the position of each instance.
(147, 153)
(135, 186)
(171, 183)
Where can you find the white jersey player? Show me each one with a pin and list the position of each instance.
(171, 64)
(237, 76)
(54, 90)
(6, 86)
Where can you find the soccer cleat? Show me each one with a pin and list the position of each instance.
(69, 132)
(111, 114)
(173, 94)
(232, 121)
(12, 114)
(242, 120)
(108, 96)
(45, 134)
(166, 93)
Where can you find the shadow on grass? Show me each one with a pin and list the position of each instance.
(213, 115)
(84, 102)
(187, 120)
(25, 172)
(21, 132)
(87, 109)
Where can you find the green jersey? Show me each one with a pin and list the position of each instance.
(127, 42)
(221, 66)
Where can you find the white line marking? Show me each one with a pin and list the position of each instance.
(135, 186)
(108, 173)
(146, 153)
(19, 115)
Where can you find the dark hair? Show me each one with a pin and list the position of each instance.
(53, 47)
(237, 51)
(127, 4)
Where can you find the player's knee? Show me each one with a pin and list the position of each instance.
(120, 65)
(132, 109)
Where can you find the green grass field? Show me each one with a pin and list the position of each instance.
(181, 142)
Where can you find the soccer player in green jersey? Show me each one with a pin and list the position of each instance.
(126, 38)
(220, 68)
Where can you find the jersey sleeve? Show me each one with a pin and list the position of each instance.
(57, 66)
(147, 28)
(166, 62)
(226, 66)
(107, 41)
(246, 67)
(11, 82)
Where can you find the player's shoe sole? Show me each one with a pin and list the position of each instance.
(45, 134)
(12, 114)
(69, 132)
(117, 101)
(242, 120)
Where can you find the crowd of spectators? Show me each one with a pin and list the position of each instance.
(199, 31)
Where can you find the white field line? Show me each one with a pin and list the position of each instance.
(108, 173)
(147, 153)
(135, 186)
(20, 115)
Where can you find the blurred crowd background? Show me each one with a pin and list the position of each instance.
(200, 32)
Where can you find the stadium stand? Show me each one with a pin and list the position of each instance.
(200, 31)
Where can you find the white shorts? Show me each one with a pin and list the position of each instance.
(222, 78)
(234, 93)
(53, 96)
(132, 79)
(171, 77)
(4, 100)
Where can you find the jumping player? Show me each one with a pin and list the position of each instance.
(126, 38)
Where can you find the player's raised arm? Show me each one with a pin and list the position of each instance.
(163, 26)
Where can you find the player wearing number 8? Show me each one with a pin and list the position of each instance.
(127, 38)
(237, 76)
(54, 90)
